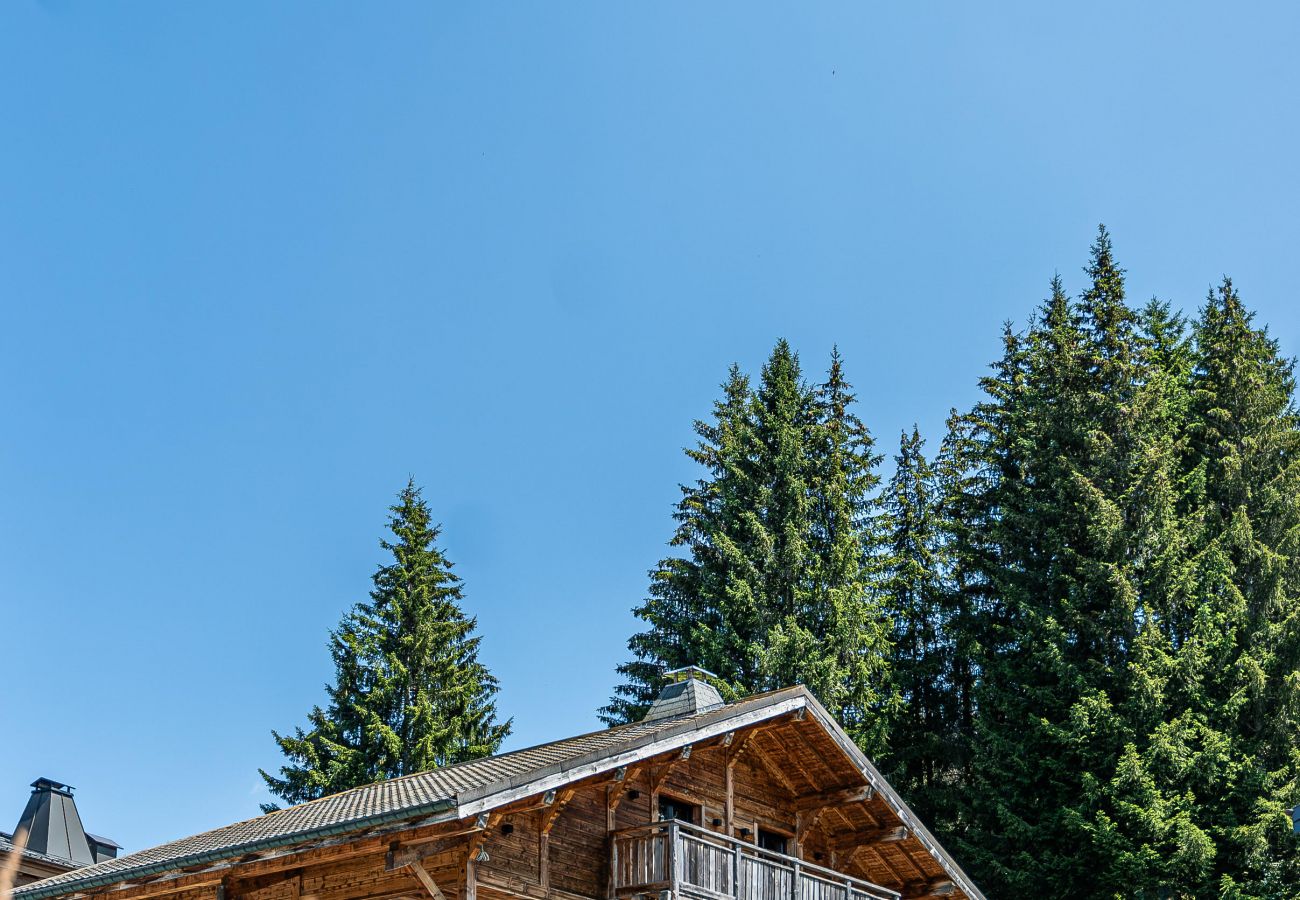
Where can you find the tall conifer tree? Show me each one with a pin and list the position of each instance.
(1239, 651)
(409, 692)
(924, 743)
(1067, 443)
(772, 584)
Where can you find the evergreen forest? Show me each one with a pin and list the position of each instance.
(1067, 628)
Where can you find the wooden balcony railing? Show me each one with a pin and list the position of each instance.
(695, 862)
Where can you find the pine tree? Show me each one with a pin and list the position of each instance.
(409, 692)
(772, 585)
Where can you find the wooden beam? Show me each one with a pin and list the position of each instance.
(867, 837)
(400, 858)
(544, 859)
(842, 797)
(942, 886)
(471, 804)
(427, 880)
(729, 799)
(773, 769)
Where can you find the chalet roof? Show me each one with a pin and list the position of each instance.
(469, 788)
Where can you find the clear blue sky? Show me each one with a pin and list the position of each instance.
(259, 262)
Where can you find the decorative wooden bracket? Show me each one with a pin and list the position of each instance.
(614, 793)
(474, 851)
(545, 822)
(554, 808)
(804, 823)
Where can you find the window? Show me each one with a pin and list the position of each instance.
(772, 840)
(671, 809)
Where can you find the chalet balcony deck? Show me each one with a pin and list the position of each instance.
(694, 862)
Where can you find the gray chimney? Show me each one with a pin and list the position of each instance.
(685, 694)
(52, 824)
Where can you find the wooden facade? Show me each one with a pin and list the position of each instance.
(775, 805)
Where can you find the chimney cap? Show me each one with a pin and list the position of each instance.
(687, 692)
(686, 673)
(49, 784)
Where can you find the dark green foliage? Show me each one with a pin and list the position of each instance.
(773, 582)
(409, 693)
(1091, 684)
(1130, 517)
(927, 742)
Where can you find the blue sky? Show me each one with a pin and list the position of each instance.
(261, 262)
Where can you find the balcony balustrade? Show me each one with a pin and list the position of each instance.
(694, 862)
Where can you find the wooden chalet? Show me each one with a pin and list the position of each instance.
(763, 799)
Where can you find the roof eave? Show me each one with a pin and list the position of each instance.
(877, 781)
(34, 891)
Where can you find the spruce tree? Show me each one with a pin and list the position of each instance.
(1067, 442)
(924, 742)
(409, 692)
(771, 584)
(1239, 651)
(836, 639)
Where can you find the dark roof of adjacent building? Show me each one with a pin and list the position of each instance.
(53, 825)
(463, 790)
(102, 841)
(7, 846)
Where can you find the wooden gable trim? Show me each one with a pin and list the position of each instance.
(472, 803)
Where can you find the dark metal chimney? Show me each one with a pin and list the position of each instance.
(52, 824)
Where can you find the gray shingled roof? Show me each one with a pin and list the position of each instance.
(408, 797)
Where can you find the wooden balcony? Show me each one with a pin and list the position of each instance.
(694, 862)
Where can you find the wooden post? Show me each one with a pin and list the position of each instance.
(471, 879)
(794, 881)
(674, 859)
(544, 859)
(613, 868)
(730, 808)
